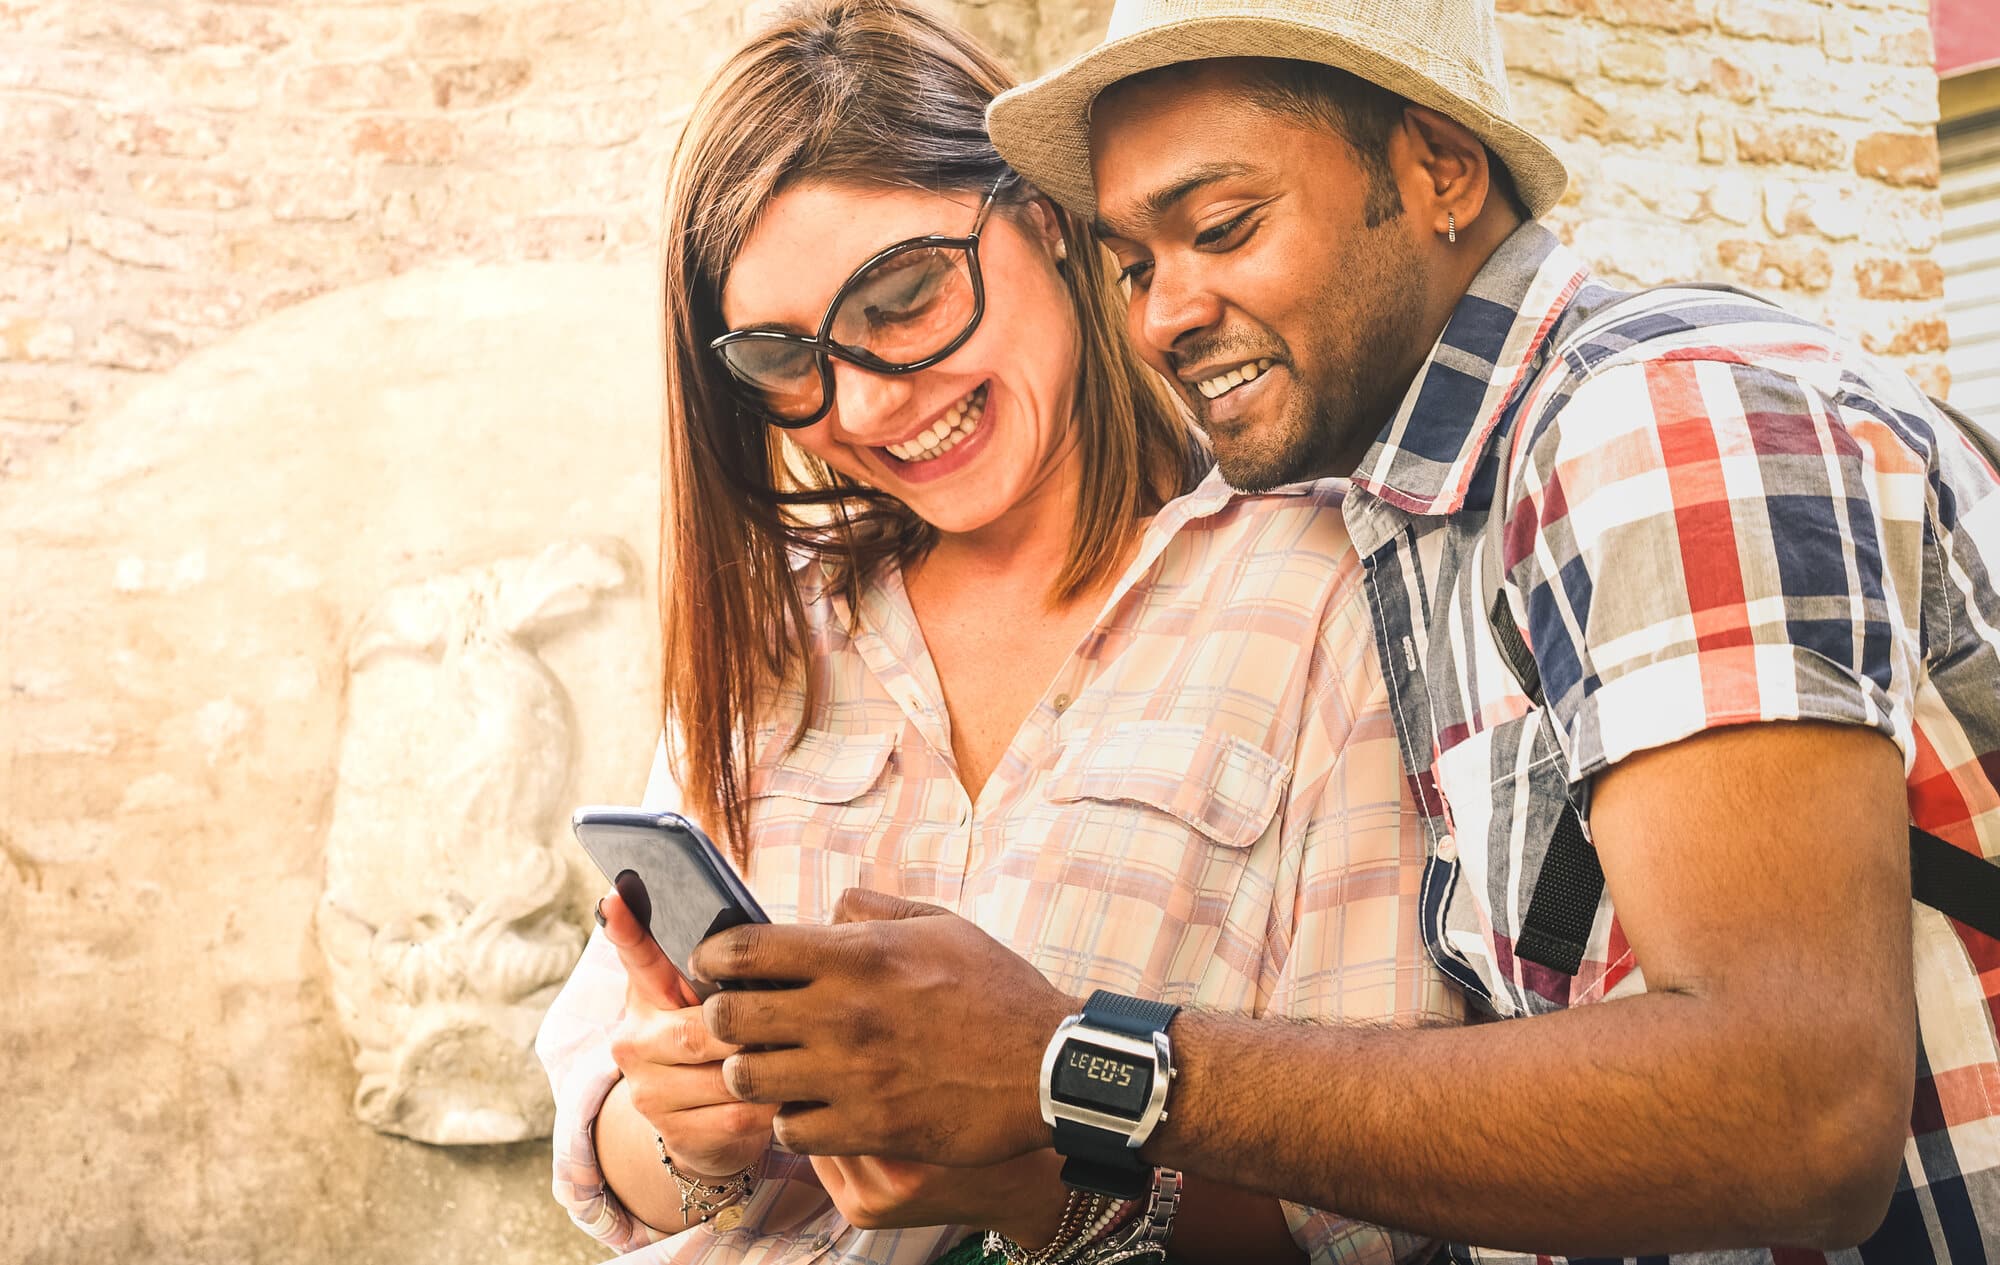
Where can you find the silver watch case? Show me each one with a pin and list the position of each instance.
(1159, 1049)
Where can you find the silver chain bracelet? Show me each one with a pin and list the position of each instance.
(705, 1198)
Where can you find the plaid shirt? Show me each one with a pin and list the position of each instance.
(1715, 513)
(1206, 806)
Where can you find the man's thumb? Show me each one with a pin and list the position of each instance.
(858, 904)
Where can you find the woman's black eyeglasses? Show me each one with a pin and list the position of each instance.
(905, 309)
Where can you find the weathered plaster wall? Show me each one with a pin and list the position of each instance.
(193, 626)
(303, 303)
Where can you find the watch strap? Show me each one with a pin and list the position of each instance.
(1128, 1016)
(1098, 1159)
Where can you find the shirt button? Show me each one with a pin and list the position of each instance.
(1062, 702)
(1447, 850)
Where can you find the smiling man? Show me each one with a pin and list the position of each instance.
(1281, 374)
(1688, 613)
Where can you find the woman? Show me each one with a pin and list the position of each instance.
(953, 614)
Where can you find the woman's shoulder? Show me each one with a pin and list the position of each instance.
(821, 592)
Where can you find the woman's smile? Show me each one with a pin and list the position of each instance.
(948, 444)
(954, 424)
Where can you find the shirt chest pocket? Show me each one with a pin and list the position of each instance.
(1213, 783)
(1149, 826)
(827, 790)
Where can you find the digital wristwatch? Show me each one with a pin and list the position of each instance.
(1104, 1090)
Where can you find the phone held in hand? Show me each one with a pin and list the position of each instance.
(671, 876)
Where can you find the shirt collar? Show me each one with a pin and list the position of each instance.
(1208, 498)
(1424, 461)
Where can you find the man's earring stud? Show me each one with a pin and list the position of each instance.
(1062, 248)
(1450, 227)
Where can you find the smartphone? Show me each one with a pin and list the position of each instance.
(671, 876)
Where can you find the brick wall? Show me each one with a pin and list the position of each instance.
(173, 170)
(1785, 145)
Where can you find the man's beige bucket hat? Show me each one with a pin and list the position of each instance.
(1444, 54)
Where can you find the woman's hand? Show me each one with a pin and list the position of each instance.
(672, 1065)
(1021, 1198)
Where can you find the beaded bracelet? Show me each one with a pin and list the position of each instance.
(1085, 1217)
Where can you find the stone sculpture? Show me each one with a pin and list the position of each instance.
(440, 919)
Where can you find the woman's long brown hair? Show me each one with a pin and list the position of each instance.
(875, 93)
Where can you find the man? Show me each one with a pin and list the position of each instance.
(1688, 610)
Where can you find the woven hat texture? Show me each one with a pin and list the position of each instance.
(1444, 54)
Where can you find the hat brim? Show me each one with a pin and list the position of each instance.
(1042, 128)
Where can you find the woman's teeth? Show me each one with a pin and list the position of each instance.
(1234, 378)
(960, 420)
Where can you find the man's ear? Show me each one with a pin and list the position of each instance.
(1457, 177)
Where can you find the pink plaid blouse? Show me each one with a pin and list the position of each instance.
(1205, 806)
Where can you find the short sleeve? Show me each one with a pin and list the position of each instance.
(1700, 543)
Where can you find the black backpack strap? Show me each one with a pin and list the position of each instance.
(1556, 927)
(1958, 884)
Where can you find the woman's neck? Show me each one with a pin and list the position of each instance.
(1024, 548)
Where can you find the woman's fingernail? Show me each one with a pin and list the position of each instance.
(600, 911)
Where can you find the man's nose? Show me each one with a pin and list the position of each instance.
(868, 407)
(1176, 305)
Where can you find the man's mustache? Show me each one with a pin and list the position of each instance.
(1210, 351)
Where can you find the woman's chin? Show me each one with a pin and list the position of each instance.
(957, 519)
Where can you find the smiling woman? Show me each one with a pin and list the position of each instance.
(820, 148)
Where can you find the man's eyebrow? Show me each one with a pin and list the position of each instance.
(1156, 204)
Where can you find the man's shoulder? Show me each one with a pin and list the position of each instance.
(1688, 354)
(1693, 323)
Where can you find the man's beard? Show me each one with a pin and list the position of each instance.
(1359, 338)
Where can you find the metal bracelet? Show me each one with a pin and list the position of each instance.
(705, 1198)
(1146, 1236)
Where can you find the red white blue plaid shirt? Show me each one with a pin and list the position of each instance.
(1715, 513)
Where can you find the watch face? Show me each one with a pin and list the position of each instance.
(1104, 1080)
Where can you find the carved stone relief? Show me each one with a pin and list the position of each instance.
(441, 918)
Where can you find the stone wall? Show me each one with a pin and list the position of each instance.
(307, 306)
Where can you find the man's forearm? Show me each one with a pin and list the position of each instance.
(1634, 1126)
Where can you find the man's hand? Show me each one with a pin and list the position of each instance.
(913, 1035)
(673, 1064)
(1022, 1198)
